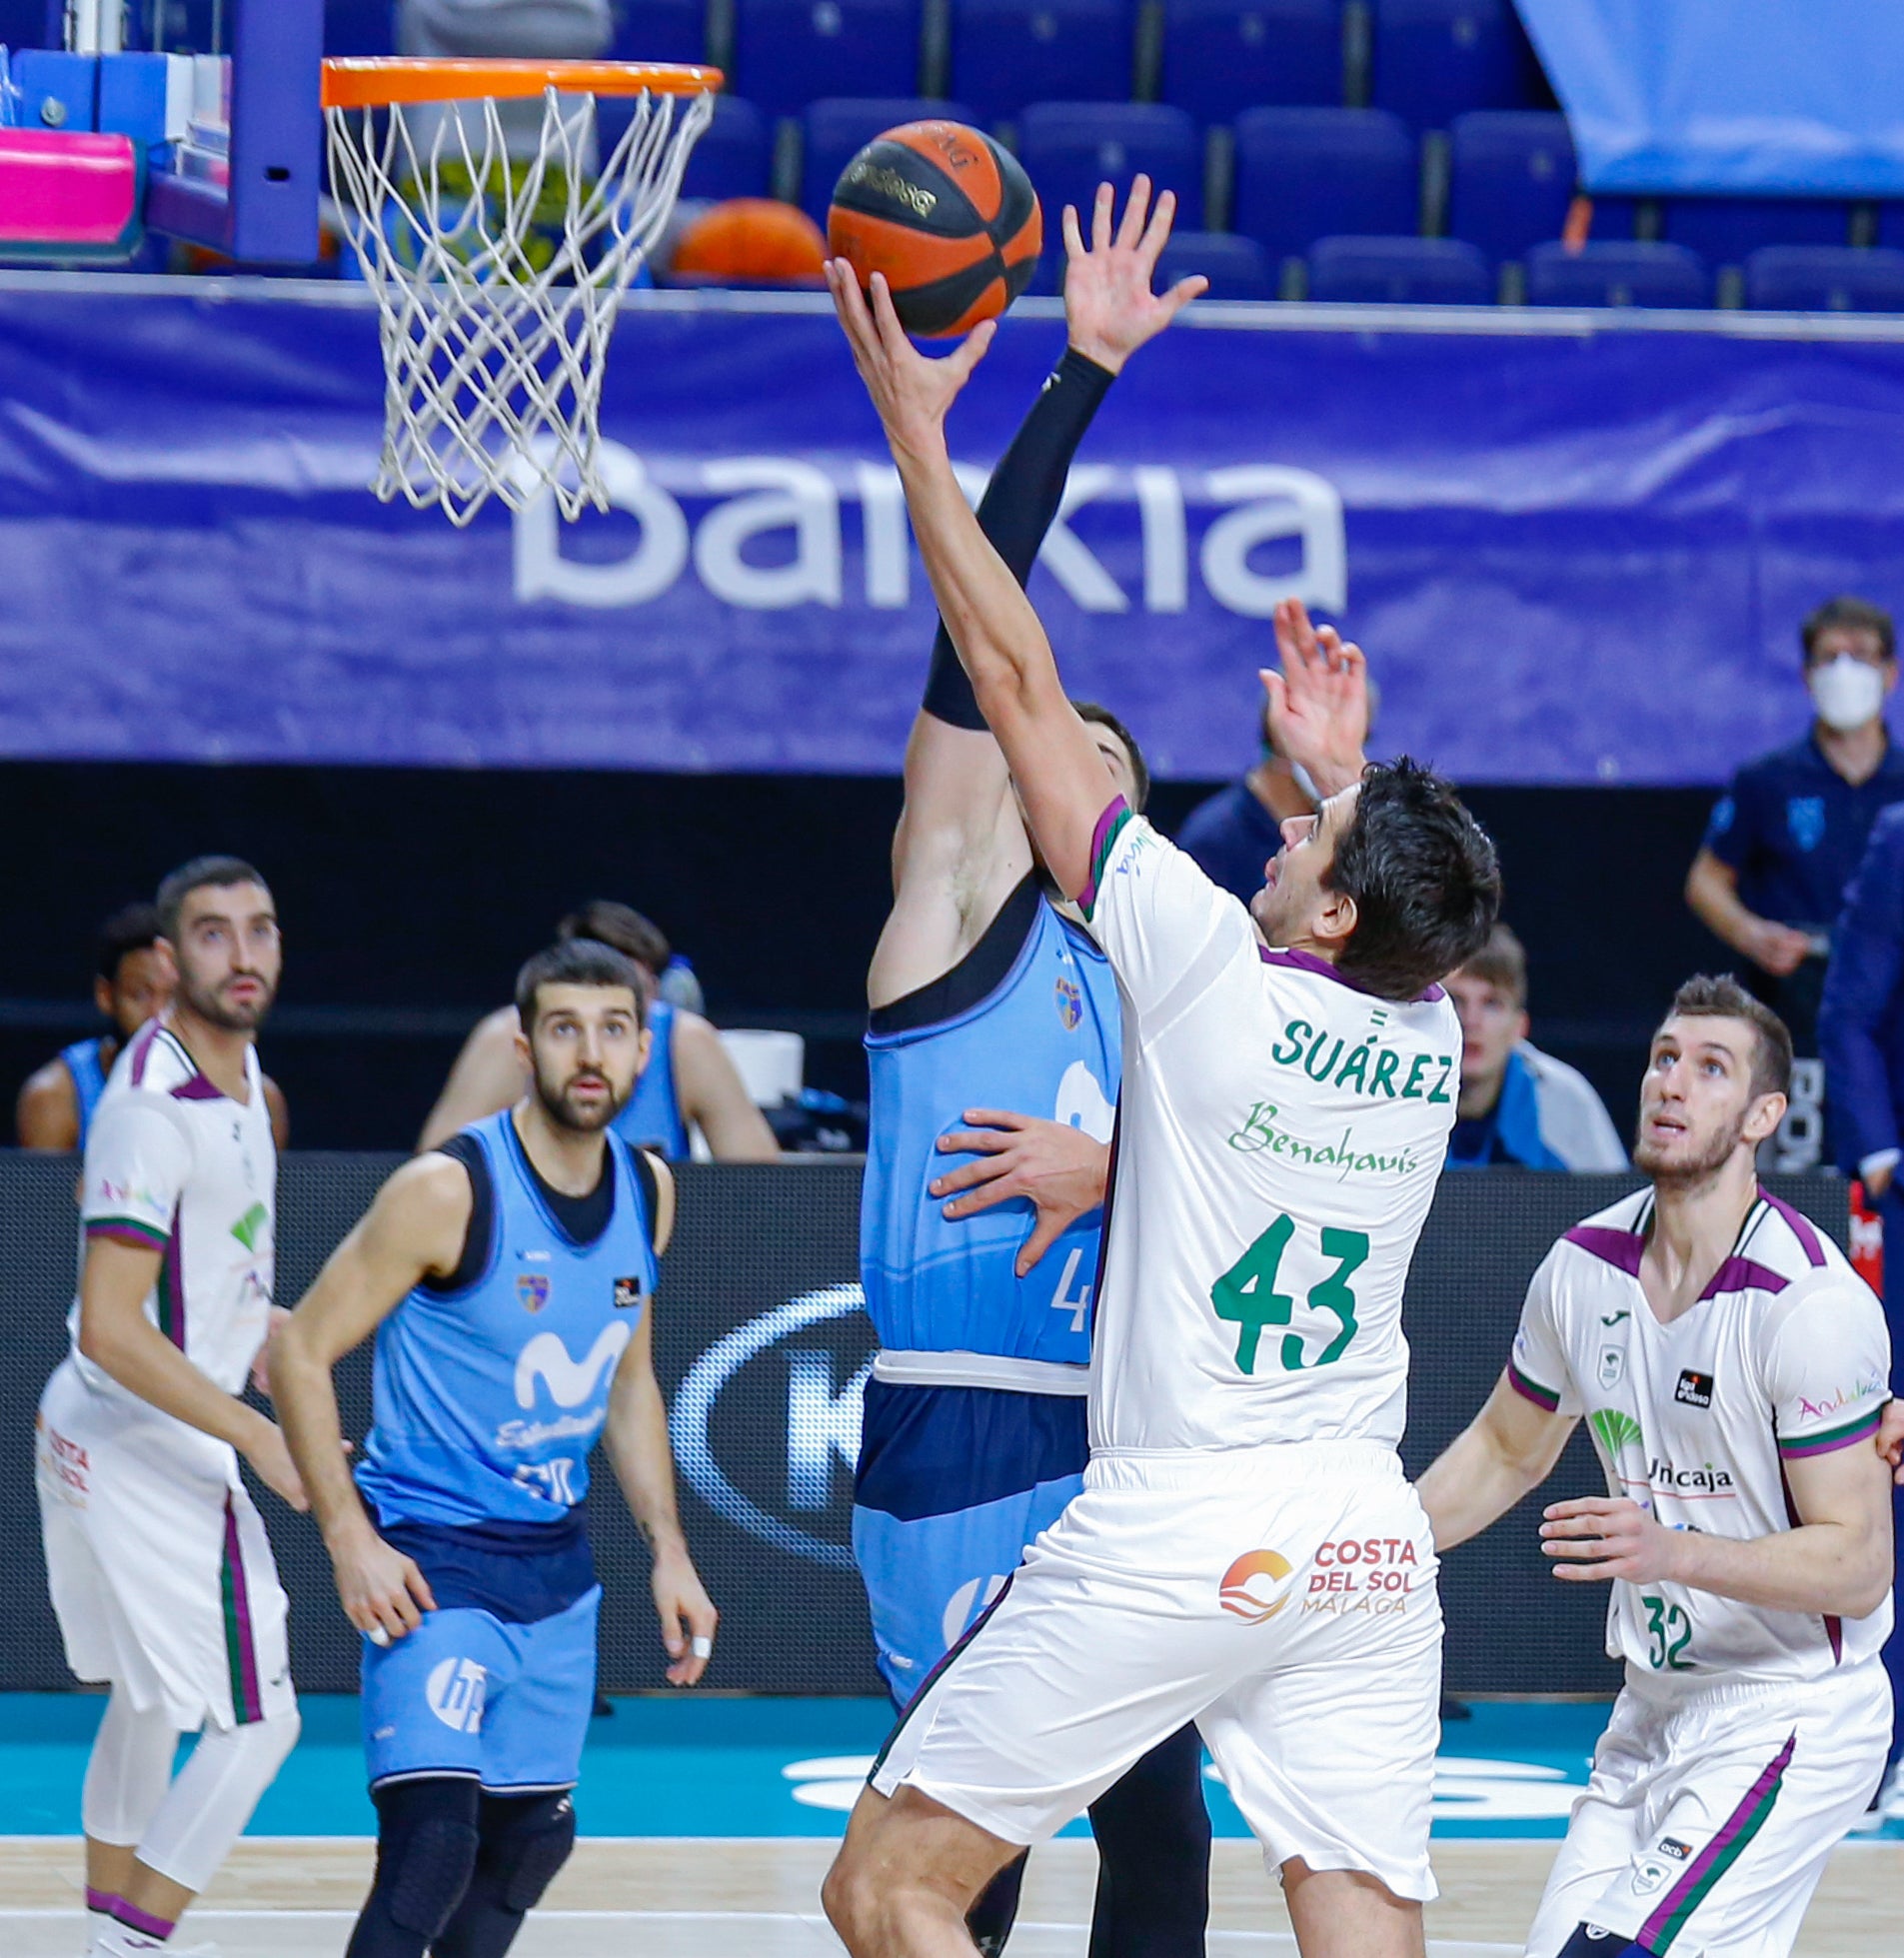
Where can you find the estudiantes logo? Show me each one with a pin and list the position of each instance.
(822, 1420)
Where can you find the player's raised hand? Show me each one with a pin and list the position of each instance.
(382, 1591)
(910, 391)
(1109, 309)
(1608, 1536)
(1060, 1168)
(687, 1613)
(1319, 703)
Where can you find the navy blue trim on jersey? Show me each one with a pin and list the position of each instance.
(932, 1451)
(478, 1234)
(518, 1572)
(975, 978)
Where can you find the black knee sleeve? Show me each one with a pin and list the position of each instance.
(426, 1855)
(1590, 1941)
(988, 1922)
(1153, 1835)
(525, 1839)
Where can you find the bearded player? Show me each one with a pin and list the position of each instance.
(158, 1564)
(1732, 1370)
(509, 1277)
(1290, 1079)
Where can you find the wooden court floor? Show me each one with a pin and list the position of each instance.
(701, 1898)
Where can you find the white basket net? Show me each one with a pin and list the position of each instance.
(497, 278)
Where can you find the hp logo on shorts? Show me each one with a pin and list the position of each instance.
(455, 1691)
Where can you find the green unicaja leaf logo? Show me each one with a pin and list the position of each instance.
(250, 1228)
(1613, 1429)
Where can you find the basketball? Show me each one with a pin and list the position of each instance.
(949, 217)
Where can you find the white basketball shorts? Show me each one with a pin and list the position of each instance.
(1710, 1813)
(156, 1560)
(1282, 1599)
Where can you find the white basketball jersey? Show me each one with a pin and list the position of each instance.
(1784, 1356)
(174, 1166)
(1279, 1137)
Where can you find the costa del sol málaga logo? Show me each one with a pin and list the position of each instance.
(1252, 1586)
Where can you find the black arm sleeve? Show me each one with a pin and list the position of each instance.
(1019, 503)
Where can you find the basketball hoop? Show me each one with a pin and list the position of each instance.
(498, 275)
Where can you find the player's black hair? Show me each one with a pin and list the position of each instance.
(621, 926)
(1424, 878)
(218, 872)
(132, 927)
(577, 961)
(1705, 998)
(1140, 769)
(1849, 615)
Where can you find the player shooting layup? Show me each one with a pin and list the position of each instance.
(1287, 1093)
(156, 1560)
(509, 1279)
(983, 991)
(1732, 1369)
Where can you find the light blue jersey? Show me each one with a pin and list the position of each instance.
(651, 1118)
(486, 1400)
(89, 1080)
(1041, 1035)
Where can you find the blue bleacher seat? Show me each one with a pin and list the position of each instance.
(733, 157)
(660, 30)
(1069, 148)
(1006, 53)
(1236, 267)
(1617, 274)
(1304, 174)
(1437, 59)
(1401, 270)
(1726, 230)
(355, 27)
(1223, 56)
(834, 131)
(1511, 178)
(1824, 279)
(788, 53)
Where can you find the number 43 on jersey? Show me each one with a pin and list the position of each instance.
(1247, 1298)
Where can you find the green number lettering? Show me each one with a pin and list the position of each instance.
(1350, 1250)
(1663, 1620)
(1245, 1295)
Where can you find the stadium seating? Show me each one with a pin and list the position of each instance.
(1726, 230)
(1435, 59)
(1511, 178)
(1401, 270)
(733, 157)
(1006, 53)
(1304, 174)
(835, 130)
(1236, 267)
(1617, 274)
(1069, 148)
(350, 27)
(788, 53)
(1223, 56)
(658, 30)
(1824, 279)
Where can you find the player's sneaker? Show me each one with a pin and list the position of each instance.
(122, 1941)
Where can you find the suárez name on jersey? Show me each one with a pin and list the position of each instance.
(1371, 1069)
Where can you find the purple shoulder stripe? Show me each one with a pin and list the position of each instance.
(1744, 1274)
(142, 1051)
(1116, 815)
(1620, 1249)
(1802, 1226)
(1309, 962)
(198, 1088)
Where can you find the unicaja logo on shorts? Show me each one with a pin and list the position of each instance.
(1249, 1587)
(454, 1690)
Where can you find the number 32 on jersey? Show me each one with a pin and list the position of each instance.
(1247, 1296)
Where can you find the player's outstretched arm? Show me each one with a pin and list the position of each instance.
(46, 1116)
(485, 1078)
(1508, 1448)
(1836, 1561)
(636, 1438)
(414, 1230)
(714, 1098)
(1319, 703)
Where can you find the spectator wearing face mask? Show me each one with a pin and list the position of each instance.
(1787, 836)
(1518, 1107)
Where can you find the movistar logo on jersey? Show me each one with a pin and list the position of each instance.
(570, 1382)
(1259, 1132)
(1366, 1068)
(250, 1228)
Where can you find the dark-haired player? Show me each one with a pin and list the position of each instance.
(1289, 1080)
(688, 1083)
(509, 1279)
(1732, 1370)
(990, 1003)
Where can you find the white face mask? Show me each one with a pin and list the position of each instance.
(1846, 691)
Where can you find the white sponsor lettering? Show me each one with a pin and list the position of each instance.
(455, 1691)
(547, 1359)
(1084, 1103)
(1062, 1300)
(965, 1603)
(823, 1424)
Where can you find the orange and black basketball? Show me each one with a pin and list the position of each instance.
(947, 214)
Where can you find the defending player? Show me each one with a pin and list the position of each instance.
(509, 1279)
(984, 991)
(1732, 1369)
(156, 1560)
(1288, 1092)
